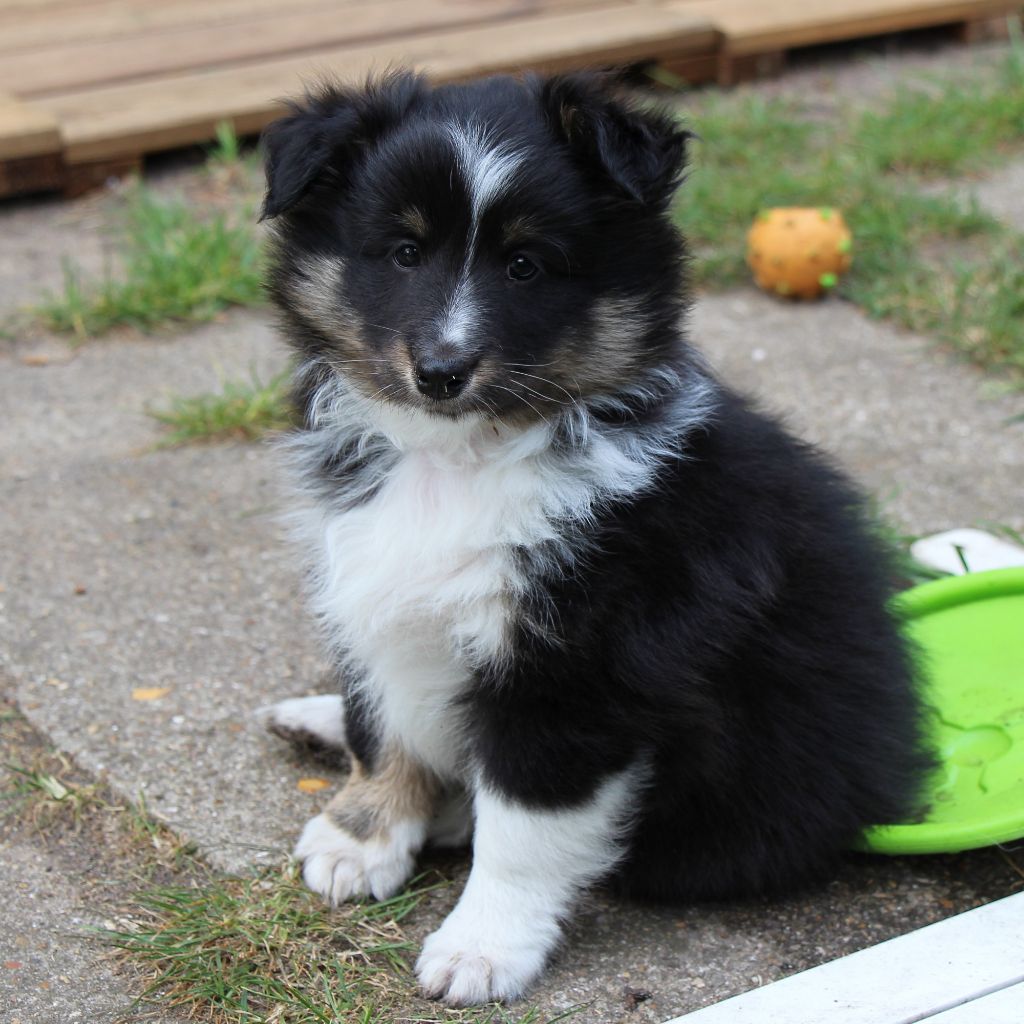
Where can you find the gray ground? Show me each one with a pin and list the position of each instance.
(124, 567)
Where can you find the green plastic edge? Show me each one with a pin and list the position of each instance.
(924, 837)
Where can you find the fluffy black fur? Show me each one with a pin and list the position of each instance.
(728, 626)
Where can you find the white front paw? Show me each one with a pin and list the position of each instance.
(341, 867)
(318, 721)
(464, 962)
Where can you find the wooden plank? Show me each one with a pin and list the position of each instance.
(26, 131)
(110, 19)
(70, 66)
(164, 113)
(99, 20)
(753, 26)
(30, 149)
(1003, 1007)
(18, 6)
(904, 980)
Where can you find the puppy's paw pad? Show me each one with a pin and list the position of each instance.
(310, 721)
(341, 867)
(462, 972)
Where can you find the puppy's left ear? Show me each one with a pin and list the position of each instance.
(641, 151)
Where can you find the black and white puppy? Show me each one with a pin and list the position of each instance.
(585, 605)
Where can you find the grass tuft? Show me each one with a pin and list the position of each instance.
(43, 795)
(241, 410)
(947, 127)
(179, 263)
(230, 164)
(262, 949)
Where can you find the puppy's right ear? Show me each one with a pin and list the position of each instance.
(329, 129)
(297, 148)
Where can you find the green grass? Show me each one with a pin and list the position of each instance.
(932, 262)
(947, 127)
(249, 950)
(265, 950)
(179, 264)
(232, 164)
(241, 409)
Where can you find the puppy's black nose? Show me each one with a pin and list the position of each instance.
(442, 379)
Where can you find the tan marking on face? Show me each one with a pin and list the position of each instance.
(414, 219)
(599, 359)
(314, 288)
(371, 802)
(518, 230)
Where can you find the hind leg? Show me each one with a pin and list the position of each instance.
(312, 721)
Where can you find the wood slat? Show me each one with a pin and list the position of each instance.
(758, 26)
(26, 131)
(69, 66)
(19, 6)
(142, 117)
(30, 149)
(91, 20)
(104, 20)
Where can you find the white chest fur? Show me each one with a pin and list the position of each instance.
(419, 584)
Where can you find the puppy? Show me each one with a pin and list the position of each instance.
(585, 604)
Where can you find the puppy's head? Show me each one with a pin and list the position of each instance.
(501, 247)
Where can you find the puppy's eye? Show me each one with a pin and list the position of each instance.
(521, 268)
(407, 255)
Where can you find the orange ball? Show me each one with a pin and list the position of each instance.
(799, 252)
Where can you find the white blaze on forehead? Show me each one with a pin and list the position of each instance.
(487, 167)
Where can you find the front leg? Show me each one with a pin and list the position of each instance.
(529, 864)
(366, 841)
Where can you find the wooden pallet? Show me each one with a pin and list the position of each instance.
(164, 75)
(756, 34)
(88, 87)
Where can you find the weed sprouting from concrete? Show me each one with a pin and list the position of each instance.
(178, 263)
(42, 794)
(241, 409)
(265, 948)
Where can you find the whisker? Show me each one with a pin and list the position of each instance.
(535, 393)
(493, 410)
(378, 396)
(572, 398)
(525, 400)
(382, 327)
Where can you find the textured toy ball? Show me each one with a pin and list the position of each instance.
(799, 252)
